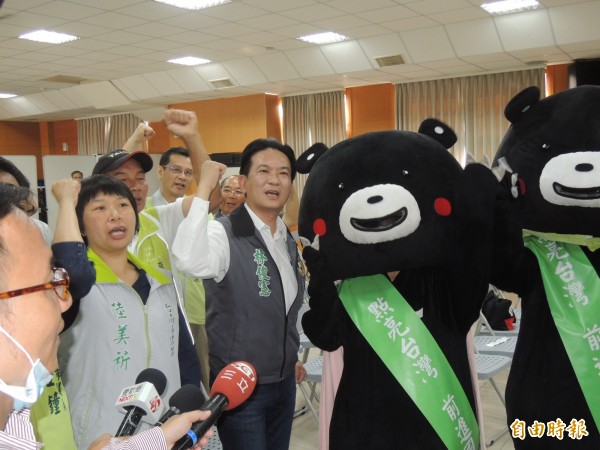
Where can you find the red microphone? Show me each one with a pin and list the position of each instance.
(232, 387)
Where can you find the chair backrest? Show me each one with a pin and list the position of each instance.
(303, 308)
(490, 365)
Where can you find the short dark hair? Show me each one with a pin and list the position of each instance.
(77, 171)
(21, 197)
(9, 167)
(102, 184)
(259, 145)
(166, 156)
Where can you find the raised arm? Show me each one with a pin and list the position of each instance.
(142, 134)
(68, 248)
(67, 227)
(194, 245)
(184, 124)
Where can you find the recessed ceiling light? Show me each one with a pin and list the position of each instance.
(49, 37)
(189, 61)
(510, 6)
(323, 38)
(7, 95)
(194, 4)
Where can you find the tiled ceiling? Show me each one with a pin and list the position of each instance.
(124, 45)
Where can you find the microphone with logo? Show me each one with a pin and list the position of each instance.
(187, 398)
(141, 401)
(232, 387)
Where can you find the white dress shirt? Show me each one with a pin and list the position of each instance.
(201, 248)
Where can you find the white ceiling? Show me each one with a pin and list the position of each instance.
(124, 45)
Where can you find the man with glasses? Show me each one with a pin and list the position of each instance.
(33, 294)
(233, 196)
(175, 172)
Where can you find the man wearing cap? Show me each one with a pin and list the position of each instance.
(158, 225)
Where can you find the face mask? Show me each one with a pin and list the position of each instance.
(37, 379)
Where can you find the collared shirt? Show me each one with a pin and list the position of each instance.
(276, 244)
(18, 434)
(157, 199)
(202, 247)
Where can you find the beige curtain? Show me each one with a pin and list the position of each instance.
(472, 106)
(312, 118)
(91, 135)
(100, 135)
(121, 127)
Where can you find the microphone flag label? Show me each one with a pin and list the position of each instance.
(155, 404)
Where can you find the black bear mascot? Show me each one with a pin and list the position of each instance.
(400, 240)
(547, 252)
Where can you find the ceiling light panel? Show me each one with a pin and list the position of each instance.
(49, 37)
(194, 4)
(323, 38)
(189, 61)
(510, 6)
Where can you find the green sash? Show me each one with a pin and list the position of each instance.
(573, 292)
(405, 345)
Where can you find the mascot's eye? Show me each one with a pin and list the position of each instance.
(341, 186)
(405, 173)
(545, 147)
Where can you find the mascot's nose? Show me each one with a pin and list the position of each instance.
(585, 167)
(374, 199)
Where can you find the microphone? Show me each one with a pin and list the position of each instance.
(234, 384)
(187, 398)
(141, 401)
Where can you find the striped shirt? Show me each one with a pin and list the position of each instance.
(18, 434)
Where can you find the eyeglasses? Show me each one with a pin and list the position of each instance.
(60, 284)
(227, 191)
(178, 171)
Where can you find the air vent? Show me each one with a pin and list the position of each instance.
(393, 60)
(67, 79)
(221, 83)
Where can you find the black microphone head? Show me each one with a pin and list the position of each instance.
(187, 398)
(154, 376)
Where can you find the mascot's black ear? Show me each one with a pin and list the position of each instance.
(438, 131)
(307, 160)
(520, 103)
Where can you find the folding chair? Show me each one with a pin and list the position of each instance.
(214, 443)
(314, 375)
(495, 345)
(489, 366)
(314, 368)
(305, 343)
